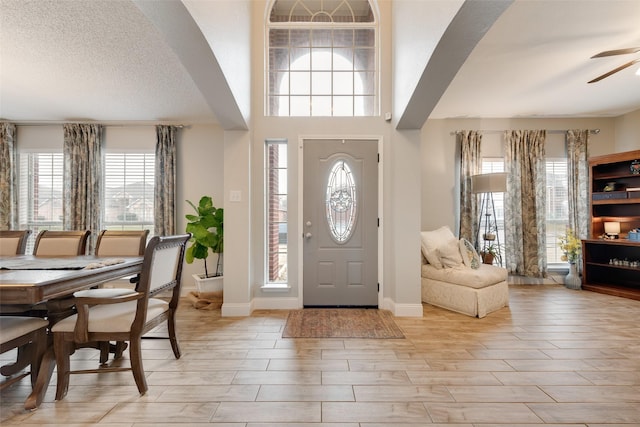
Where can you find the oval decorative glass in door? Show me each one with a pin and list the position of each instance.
(341, 202)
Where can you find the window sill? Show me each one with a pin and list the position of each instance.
(559, 267)
(275, 287)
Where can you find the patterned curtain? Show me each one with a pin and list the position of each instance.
(470, 164)
(577, 142)
(525, 226)
(82, 191)
(8, 181)
(165, 185)
(578, 172)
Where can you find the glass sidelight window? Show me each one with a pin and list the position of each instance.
(277, 236)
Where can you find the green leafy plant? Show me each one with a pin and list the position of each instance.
(493, 249)
(206, 228)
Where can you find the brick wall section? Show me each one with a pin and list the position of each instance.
(273, 214)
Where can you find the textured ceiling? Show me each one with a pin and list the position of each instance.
(104, 60)
(91, 60)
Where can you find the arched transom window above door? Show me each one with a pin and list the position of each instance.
(322, 58)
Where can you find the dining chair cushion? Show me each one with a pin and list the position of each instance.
(103, 292)
(9, 246)
(13, 242)
(58, 246)
(112, 317)
(13, 327)
(121, 246)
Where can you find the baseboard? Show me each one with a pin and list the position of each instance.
(235, 309)
(402, 310)
(245, 309)
(284, 303)
(553, 278)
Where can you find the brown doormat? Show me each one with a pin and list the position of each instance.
(341, 323)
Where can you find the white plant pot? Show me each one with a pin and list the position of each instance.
(209, 284)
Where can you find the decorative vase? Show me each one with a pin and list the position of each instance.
(572, 280)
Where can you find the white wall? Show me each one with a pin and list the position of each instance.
(440, 156)
(628, 132)
(200, 170)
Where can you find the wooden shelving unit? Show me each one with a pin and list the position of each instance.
(608, 264)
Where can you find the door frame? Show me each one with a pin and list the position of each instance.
(300, 178)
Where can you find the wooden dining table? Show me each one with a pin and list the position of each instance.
(26, 280)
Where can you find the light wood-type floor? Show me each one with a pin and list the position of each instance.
(555, 357)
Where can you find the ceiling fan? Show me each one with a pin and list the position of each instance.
(613, 53)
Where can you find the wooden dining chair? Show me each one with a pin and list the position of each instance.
(126, 317)
(29, 336)
(116, 243)
(61, 243)
(13, 242)
(121, 243)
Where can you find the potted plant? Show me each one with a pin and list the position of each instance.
(489, 253)
(206, 228)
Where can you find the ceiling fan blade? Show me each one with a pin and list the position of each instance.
(617, 52)
(615, 70)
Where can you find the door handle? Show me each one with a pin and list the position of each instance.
(307, 236)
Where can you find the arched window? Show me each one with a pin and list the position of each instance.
(322, 58)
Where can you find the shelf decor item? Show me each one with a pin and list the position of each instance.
(612, 229)
(635, 167)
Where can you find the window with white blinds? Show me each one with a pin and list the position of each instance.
(557, 203)
(40, 201)
(128, 191)
(557, 209)
(496, 165)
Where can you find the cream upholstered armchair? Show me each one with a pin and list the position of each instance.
(454, 277)
(127, 317)
(61, 243)
(13, 242)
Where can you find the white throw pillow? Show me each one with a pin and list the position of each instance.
(469, 254)
(449, 254)
(431, 240)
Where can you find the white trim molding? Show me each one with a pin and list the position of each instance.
(402, 310)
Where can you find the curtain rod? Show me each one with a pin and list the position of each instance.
(180, 126)
(591, 131)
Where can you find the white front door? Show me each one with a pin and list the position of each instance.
(340, 223)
